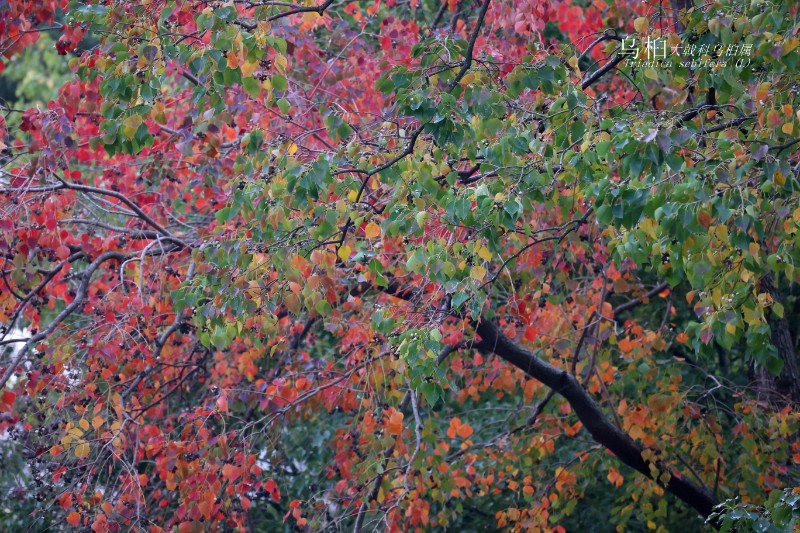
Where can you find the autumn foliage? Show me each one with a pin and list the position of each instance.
(401, 265)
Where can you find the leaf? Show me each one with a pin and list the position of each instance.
(8, 399)
(279, 82)
(459, 428)
(81, 451)
(372, 231)
(62, 252)
(641, 24)
(477, 273)
(484, 253)
(395, 424)
(615, 477)
(73, 518)
(344, 252)
(625, 345)
(230, 472)
(222, 403)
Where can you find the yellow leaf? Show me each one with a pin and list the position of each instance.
(477, 273)
(790, 44)
(82, 450)
(280, 63)
(648, 226)
(779, 178)
(765, 299)
(467, 79)
(714, 26)
(763, 91)
(787, 128)
(97, 421)
(158, 113)
(372, 231)
(248, 68)
(84, 424)
(673, 40)
(484, 253)
(292, 148)
(753, 318)
(641, 24)
(130, 125)
(573, 62)
(344, 252)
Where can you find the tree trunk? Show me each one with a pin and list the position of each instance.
(778, 390)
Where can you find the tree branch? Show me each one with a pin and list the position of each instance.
(471, 47)
(591, 416)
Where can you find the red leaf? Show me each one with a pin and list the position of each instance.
(62, 252)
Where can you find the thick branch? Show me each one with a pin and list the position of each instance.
(590, 415)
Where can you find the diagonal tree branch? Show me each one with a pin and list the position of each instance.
(471, 46)
(602, 430)
(591, 416)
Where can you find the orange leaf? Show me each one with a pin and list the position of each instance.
(704, 218)
(222, 403)
(73, 518)
(465, 431)
(459, 428)
(626, 345)
(230, 472)
(455, 423)
(207, 507)
(372, 231)
(615, 477)
(395, 425)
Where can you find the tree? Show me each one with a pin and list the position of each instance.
(401, 265)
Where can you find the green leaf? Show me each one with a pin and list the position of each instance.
(279, 82)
